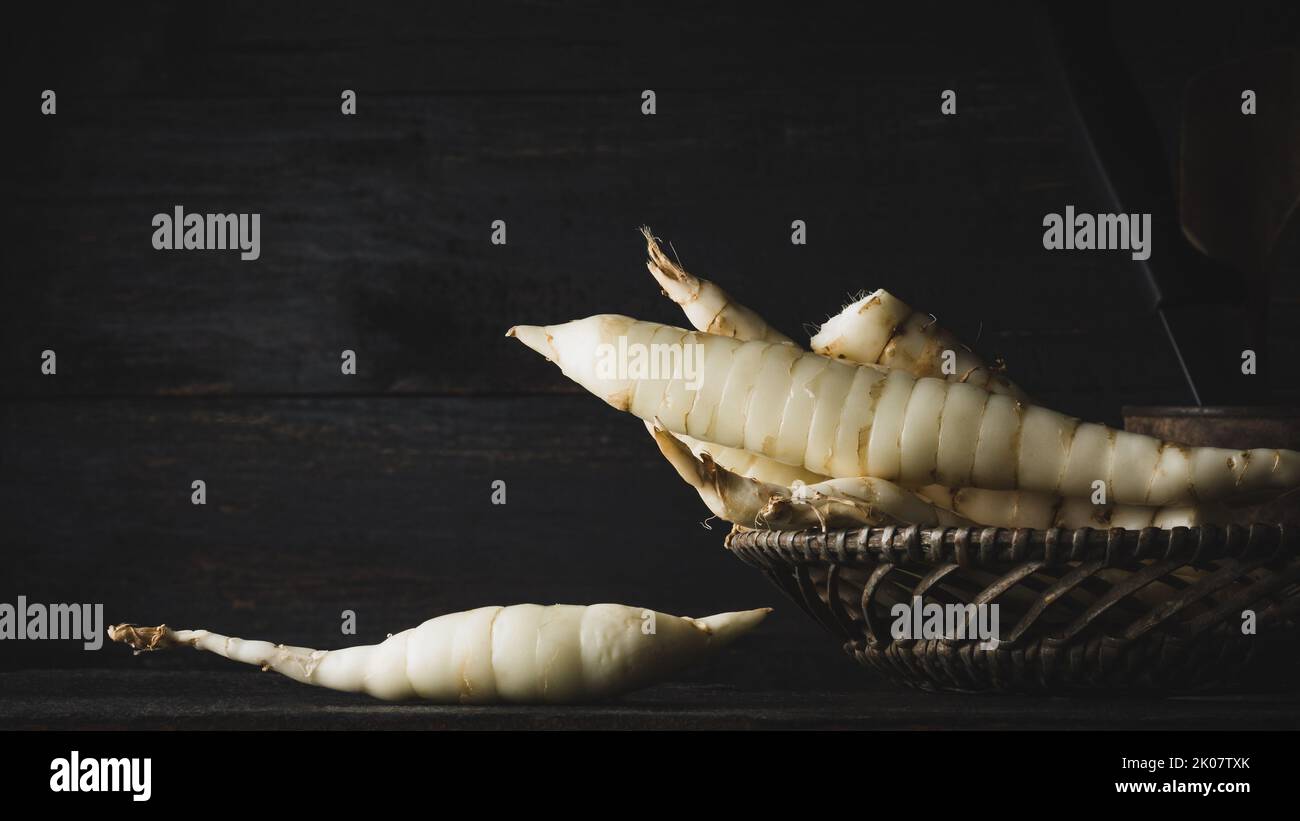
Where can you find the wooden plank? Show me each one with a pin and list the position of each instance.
(376, 228)
(381, 506)
(154, 698)
(243, 48)
(376, 240)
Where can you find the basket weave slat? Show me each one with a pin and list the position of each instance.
(1151, 610)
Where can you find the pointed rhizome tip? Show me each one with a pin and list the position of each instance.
(534, 336)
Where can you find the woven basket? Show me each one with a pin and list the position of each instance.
(1078, 610)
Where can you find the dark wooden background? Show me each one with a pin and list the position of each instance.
(371, 492)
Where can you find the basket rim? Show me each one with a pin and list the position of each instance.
(1004, 547)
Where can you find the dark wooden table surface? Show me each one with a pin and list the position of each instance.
(113, 700)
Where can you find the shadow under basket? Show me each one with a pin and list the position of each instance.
(1183, 610)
